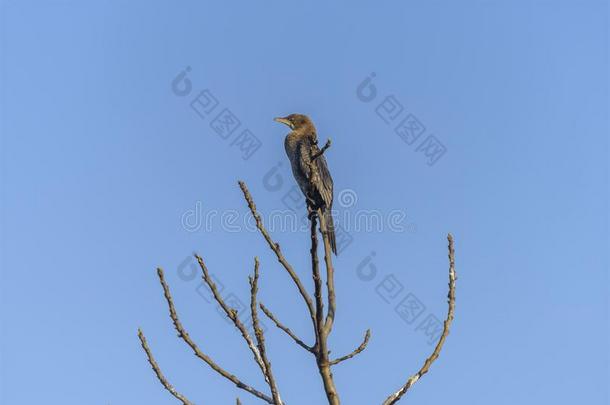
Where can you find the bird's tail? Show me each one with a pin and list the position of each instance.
(329, 225)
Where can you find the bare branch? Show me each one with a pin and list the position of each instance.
(183, 334)
(232, 315)
(276, 249)
(395, 397)
(358, 350)
(322, 321)
(285, 329)
(317, 281)
(321, 151)
(158, 372)
(324, 329)
(260, 337)
(330, 279)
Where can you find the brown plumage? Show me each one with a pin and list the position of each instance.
(301, 145)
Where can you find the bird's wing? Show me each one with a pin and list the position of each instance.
(326, 185)
(322, 181)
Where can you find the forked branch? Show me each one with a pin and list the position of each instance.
(260, 337)
(322, 322)
(183, 334)
(232, 315)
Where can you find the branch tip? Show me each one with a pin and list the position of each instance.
(395, 397)
(157, 370)
(358, 350)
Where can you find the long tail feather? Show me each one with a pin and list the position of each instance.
(330, 229)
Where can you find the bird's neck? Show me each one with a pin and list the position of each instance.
(305, 132)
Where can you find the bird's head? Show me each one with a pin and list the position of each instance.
(296, 121)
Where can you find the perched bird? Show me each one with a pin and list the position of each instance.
(301, 146)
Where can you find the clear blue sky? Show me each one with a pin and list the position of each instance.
(102, 159)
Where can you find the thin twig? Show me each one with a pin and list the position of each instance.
(278, 253)
(183, 334)
(392, 399)
(285, 329)
(232, 315)
(358, 350)
(321, 151)
(158, 372)
(260, 337)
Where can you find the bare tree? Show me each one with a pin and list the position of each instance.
(322, 321)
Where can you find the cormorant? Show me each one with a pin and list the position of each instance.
(301, 146)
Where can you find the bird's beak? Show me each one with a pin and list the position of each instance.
(283, 121)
